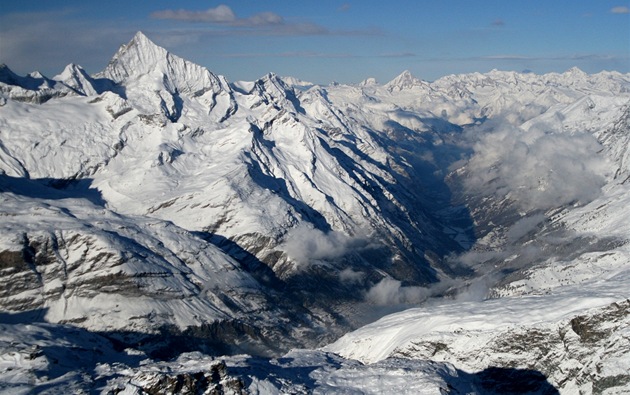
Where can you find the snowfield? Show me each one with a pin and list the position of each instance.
(165, 230)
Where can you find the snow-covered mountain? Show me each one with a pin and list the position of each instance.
(160, 207)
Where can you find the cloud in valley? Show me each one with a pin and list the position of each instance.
(391, 292)
(304, 245)
(537, 169)
(351, 276)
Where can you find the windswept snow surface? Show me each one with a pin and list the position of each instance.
(157, 207)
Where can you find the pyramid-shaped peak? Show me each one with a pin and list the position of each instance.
(139, 36)
(575, 71)
(69, 71)
(405, 80)
(141, 40)
(142, 59)
(406, 76)
(144, 43)
(138, 56)
(76, 78)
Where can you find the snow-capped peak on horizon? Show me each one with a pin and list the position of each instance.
(405, 80)
(33, 81)
(575, 71)
(69, 70)
(154, 78)
(76, 78)
(7, 75)
(141, 56)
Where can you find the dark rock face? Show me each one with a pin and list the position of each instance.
(216, 381)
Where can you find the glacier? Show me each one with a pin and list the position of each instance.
(164, 229)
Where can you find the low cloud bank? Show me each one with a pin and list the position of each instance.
(536, 168)
(304, 244)
(391, 292)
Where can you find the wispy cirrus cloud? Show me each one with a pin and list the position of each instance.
(505, 57)
(620, 10)
(290, 54)
(559, 57)
(397, 55)
(345, 7)
(313, 54)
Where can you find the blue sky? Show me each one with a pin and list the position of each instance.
(323, 41)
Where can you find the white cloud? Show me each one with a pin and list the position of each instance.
(391, 292)
(350, 276)
(536, 169)
(304, 244)
(523, 226)
(476, 290)
(264, 18)
(620, 10)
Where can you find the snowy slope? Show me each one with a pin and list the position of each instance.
(74, 261)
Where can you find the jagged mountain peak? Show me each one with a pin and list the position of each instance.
(138, 56)
(142, 39)
(273, 78)
(154, 79)
(32, 81)
(141, 57)
(7, 75)
(69, 70)
(405, 80)
(77, 79)
(575, 71)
